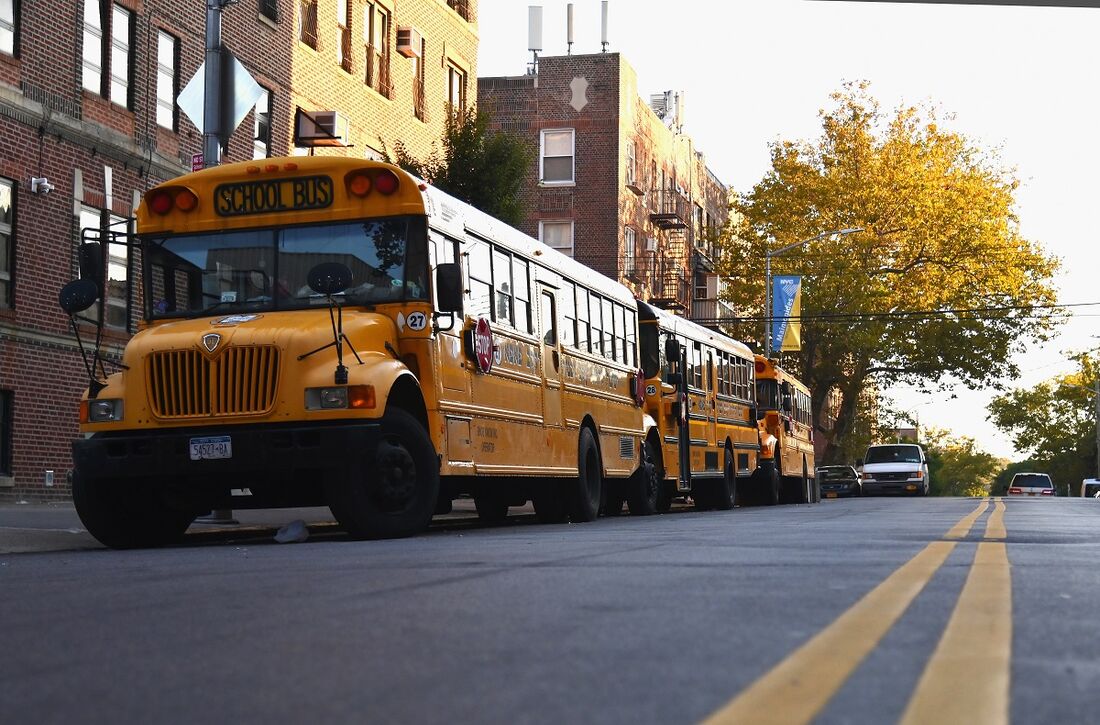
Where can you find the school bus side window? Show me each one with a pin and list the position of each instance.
(697, 365)
(608, 329)
(583, 329)
(631, 338)
(522, 287)
(481, 286)
(502, 282)
(568, 301)
(596, 311)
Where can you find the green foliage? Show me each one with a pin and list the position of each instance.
(482, 167)
(1055, 422)
(956, 466)
(940, 234)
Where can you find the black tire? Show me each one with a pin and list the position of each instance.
(584, 504)
(395, 494)
(645, 484)
(491, 509)
(725, 490)
(769, 486)
(127, 515)
(664, 496)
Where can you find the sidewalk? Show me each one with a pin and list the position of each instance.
(39, 527)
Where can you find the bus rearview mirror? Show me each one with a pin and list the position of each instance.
(448, 287)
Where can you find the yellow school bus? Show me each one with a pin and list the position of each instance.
(786, 472)
(331, 331)
(699, 392)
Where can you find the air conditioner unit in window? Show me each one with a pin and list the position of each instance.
(651, 244)
(409, 41)
(320, 128)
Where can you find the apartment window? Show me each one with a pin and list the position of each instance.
(261, 129)
(167, 79)
(7, 243)
(557, 234)
(419, 100)
(89, 218)
(117, 292)
(270, 10)
(343, 34)
(630, 259)
(631, 163)
(307, 22)
(462, 7)
(122, 27)
(556, 156)
(92, 52)
(376, 34)
(7, 415)
(9, 33)
(456, 88)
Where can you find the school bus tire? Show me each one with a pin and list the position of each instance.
(126, 515)
(645, 484)
(769, 486)
(725, 488)
(587, 493)
(395, 493)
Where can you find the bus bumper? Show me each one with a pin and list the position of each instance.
(269, 465)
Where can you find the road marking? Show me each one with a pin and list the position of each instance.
(967, 679)
(796, 689)
(961, 529)
(995, 526)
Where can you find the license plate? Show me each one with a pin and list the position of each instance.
(207, 449)
(830, 495)
(1030, 493)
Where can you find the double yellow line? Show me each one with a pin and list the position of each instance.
(967, 678)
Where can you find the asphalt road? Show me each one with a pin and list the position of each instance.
(852, 611)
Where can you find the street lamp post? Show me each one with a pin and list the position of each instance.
(832, 234)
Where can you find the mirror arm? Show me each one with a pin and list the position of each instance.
(436, 316)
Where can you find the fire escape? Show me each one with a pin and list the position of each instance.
(669, 212)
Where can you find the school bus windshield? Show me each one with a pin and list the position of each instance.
(254, 270)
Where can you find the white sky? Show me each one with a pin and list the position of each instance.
(1019, 79)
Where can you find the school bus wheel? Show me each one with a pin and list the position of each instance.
(645, 484)
(726, 487)
(584, 503)
(393, 494)
(125, 515)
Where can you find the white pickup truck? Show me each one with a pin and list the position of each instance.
(895, 468)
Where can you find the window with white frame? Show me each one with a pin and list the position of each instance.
(117, 292)
(122, 22)
(343, 34)
(456, 87)
(376, 32)
(261, 129)
(7, 242)
(167, 79)
(92, 51)
(557, 234)
(89, 218)
(556, 156)
(9, 12)
(631, 163)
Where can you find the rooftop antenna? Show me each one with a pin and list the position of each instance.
(534, 36)
(569, 29)
(603, 15)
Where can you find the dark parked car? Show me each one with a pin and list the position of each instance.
(839, 481)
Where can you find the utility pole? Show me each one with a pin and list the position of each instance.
(1096, 398)
(212, 87)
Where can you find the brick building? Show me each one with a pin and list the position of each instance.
(617, 185)
(87, 107)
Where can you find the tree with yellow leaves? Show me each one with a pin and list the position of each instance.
(938, 286)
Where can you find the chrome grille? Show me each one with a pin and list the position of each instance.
(187, 384)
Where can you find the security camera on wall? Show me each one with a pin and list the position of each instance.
(39, 185)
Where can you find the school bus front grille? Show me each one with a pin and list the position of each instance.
(187, 384)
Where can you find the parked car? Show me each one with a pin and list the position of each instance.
(895, 468)
(837, 481)
(1031, 484)
(1090, 488)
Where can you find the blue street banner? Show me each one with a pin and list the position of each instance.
(786, 308)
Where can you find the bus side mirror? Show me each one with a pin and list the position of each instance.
(448, 287)
(78, 296)
(674, 379)
(90, 263)
(672, 350)
(329, 278)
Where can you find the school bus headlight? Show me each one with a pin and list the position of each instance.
(103, 410)
(340, 397)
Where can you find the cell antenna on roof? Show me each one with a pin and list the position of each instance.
(569, 29)
(534, 36)
(603, 35)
